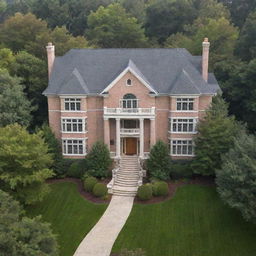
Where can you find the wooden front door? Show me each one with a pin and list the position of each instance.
(131, 146)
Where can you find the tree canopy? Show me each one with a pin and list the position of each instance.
(215, 137)
(112, 27)
(14, 106)
(236, 180)
(24, 164)
(22, 236)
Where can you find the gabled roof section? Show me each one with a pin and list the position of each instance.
(131, 67)
(184, 85)
(75, 84)
(163, 71)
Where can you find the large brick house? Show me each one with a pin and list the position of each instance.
(128, 98)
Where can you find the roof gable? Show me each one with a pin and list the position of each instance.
(131, 67)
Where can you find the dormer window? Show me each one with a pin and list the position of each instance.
(129, 82)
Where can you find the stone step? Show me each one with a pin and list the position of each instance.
(122, 192)
(127, 179)
(126, 184)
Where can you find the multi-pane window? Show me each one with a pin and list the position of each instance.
(74, 125)
(183, 125)
(129, 101)
(182, 148)
(72, 104)
(74, 147)
(185, 104)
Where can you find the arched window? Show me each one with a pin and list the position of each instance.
(129, 101)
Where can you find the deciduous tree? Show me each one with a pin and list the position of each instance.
(24, 164)
(21, 236)
(112, 27)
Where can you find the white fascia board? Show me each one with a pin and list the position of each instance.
(122, 74)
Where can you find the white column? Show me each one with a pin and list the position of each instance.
(152, 132)
(118, 138)
(106, 132)
(141, 137)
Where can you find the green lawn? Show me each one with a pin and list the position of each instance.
(194, 223)
(71, 216)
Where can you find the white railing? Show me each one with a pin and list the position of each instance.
(114, 174)
(142, 172)
(129, 131)
(129, 111)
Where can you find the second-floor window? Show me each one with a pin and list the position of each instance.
(129, 101)
(185, 104)
(74, 125)
(183, 125)
(72, 104)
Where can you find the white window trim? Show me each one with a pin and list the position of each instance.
(195, 121)
(75, 101)
(171, 149)
(83, 125)
(85, 141)
(186, 110)
(127, 82)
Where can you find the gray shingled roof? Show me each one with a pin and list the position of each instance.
(167, 71)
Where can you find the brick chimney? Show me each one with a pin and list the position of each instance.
(205, 59)
(50, 57)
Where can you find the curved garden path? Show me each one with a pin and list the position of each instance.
(100, 239)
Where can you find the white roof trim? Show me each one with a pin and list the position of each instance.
(122, 74)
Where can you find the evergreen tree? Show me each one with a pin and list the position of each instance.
(215, 137)
(159, 162)
(22, 236)
(236, 180)
(99, 160)
(24, 164)
(14, 106)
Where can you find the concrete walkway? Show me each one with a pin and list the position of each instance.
(100, 239)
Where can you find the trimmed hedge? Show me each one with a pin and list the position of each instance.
(160, 188)
(145, 192)
(100, 190)
(89, 183)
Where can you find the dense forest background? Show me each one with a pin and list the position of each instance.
(27, 25)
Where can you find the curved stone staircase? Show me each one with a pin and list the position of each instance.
(127, 177)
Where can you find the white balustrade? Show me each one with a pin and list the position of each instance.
(129, 111)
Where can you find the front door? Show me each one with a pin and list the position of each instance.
(131, 146)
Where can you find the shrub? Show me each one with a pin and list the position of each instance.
(162, 188)
(159, 161)
(145, 192)
(100, 190)
(89, 183)
(181, 169)
(99, 160)
(77, 169)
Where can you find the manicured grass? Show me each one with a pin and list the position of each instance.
(194, 223)
(70, 215)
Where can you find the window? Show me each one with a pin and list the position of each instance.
(74, 125)
(74, 147)
(72, 104)
(129, 101)
(182, 148)
(185, 104)
(183, 125)
(129, 82)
